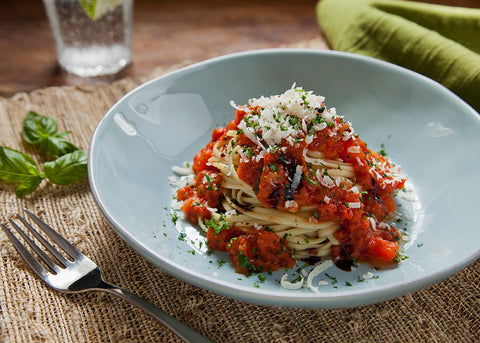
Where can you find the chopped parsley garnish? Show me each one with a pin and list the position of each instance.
(309, 180)
(243, 263)
(399, 257)
(174, 217)
(209, 182)
(382, 150)
(242, 260)
(273, 167)
(217, 225)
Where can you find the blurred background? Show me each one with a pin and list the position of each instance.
(165, 33)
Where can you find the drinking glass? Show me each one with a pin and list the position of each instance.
(91, 47)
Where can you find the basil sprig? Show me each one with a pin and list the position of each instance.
(69, 164)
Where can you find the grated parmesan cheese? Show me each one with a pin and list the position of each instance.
(292, 116)
(354, 204)
(368, 275)
(182, 170)
(291, 285)
(325, 180)
(317, 270)
(354, 189)
(354, 149)
(297, 177)
(383, 226)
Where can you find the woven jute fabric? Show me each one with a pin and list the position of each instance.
(32, 312)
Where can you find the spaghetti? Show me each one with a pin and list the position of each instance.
(288, 179)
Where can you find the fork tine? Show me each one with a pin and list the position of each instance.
(42, 240)
(45, 258)
(55, 236)
(27, 256)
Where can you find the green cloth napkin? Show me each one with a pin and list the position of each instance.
(440, 42)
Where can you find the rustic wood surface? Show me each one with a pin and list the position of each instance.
(165, 32)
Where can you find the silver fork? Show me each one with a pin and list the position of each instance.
(80, 274)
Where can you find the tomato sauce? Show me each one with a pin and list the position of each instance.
(360, 237)
(252, 250)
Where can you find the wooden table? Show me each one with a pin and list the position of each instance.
(166, 32)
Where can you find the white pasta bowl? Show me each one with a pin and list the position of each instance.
(426, 129)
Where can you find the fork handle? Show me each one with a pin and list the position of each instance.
(183, 331)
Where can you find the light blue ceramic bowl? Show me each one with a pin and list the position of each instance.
(432, 134)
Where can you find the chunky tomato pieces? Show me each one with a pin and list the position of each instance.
(252, 250)
(202, 193)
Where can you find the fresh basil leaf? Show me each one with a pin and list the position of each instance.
(36, 127)
(28, 186)
(42, 130)
(21, 169)
(56, 146)
(68, 168)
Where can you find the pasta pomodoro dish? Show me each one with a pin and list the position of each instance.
(289, 179)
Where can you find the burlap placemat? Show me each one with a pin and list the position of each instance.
(32, 312)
